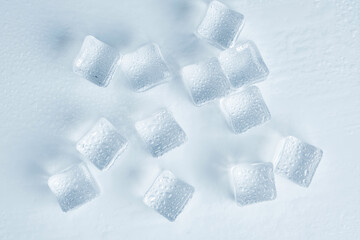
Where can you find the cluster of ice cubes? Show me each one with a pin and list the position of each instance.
(227, 77)
(143, 69)
(220, 78)
(296, 161)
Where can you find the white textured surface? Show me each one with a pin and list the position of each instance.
(311, 49)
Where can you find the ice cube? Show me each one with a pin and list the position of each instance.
(102, 145)
(205, 81)
(243, 65)
(96, 61)
(297, 161)
(168, 195)
(221, 25)
(145, 68)
(245, 109)
(253, 183)
(74, 187)
(161, 132)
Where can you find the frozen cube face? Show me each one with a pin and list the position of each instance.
(253, 183)
(96, 61)
(161, 133)
(297, 161)
(243, 65)
(102, 145)
(245, 109)
(205, 81)
(168, 195)
(73, 187)
(145, 68)
(221, 25)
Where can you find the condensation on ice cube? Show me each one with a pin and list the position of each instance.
(145, 68)
(74, 187)
(297, 160)
(243, 65)
(245, 109)
(160, 132)
(205, 81)
(168, 195)
(96, 61)
(221, 25)
(102, 145)
(253, 183)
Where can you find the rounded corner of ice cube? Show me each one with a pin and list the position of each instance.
(166, 173)
(90, 38)
(269, 165)
(320, 153)
(50, 182)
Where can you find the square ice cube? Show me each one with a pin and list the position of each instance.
(221, 25)
(96, 61)
(243, 65)
(102, 145)
(297, 161)
(253, 183)
(74, 187)
(168, 195)
(145, 68)
(161, 132)
(245, 109)
(205, 81)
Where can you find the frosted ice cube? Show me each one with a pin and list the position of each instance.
(253, 183)
(297, 161)
(205, 81)
(145, 68)
(168, 195)
(245, 109)
(96, 61)
(161, 132)
(221, 25)
(102, 145)
(74, 187)
(243, 65)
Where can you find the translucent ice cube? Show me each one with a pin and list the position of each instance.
(205, 81)
(168, 195)
(243, 65)
(73, 187)
(297, 161)
(245, 109)
(161, 132)
(253, 183)
(145, 68)
(96, 61)
(102, 145)
(221, 25)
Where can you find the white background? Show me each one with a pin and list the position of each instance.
(312, 50)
